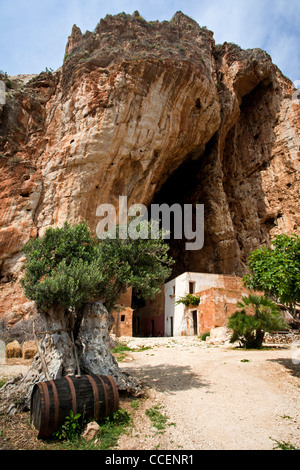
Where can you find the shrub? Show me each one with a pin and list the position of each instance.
(275, 270)
(71, 428)
(204, 336)
(257, 316)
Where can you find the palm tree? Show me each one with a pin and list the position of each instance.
(257, 316)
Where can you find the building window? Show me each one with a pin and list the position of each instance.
(172, 291)
(122, 317)
(191, 287)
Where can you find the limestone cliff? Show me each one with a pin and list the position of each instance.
(158, 112)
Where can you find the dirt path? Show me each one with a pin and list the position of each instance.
(215, 397)
(219, 398)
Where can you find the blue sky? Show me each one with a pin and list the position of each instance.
(33, 33)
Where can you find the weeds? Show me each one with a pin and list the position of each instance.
(2, 382)
(112, 427)
(71, 428)
(121, 349)
(284, 446)
(143, 348)
(135, 404)
(204, 336)
(159, 420)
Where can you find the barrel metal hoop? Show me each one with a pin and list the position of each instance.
(73, 394)
(115, 392)
(45, 390)
(56, 403)
(96, 396)
(105, 394)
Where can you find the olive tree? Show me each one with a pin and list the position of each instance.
(75, 280)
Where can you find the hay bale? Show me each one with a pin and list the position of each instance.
(29, 349)
(13, 350)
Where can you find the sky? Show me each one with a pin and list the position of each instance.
(34, 33)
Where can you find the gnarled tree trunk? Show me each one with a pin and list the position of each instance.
(90, 350)
(93, 345)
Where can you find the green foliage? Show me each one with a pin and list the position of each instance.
(120, 351)
(284, 446)
(135, 404)
(62, 267)
(143, 348)
(276, 270)
(2, 382)
(258, 315)
(121, 348)
(204, 336)
(159, 420)
(69, 285)
(142, 264)
(112, 427)
(71, 429)
(69, 267)
(188, 299)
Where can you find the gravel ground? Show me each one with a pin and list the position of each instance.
(214, 397)
(8, 371)
(218, 398)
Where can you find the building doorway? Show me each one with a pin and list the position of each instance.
(195, 322)
(171, 326)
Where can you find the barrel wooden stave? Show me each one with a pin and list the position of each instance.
(94, 397)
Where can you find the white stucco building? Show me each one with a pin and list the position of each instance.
(180, 320)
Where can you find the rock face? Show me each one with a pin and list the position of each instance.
(156, 112)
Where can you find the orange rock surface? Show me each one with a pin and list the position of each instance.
(155, 112)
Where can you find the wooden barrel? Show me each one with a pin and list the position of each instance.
(94, 397)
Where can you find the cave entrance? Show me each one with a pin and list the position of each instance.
(186, 185)
(190, 184)
(226, 178)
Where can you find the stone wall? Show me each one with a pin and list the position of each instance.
(122, 325)
(216, 306)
